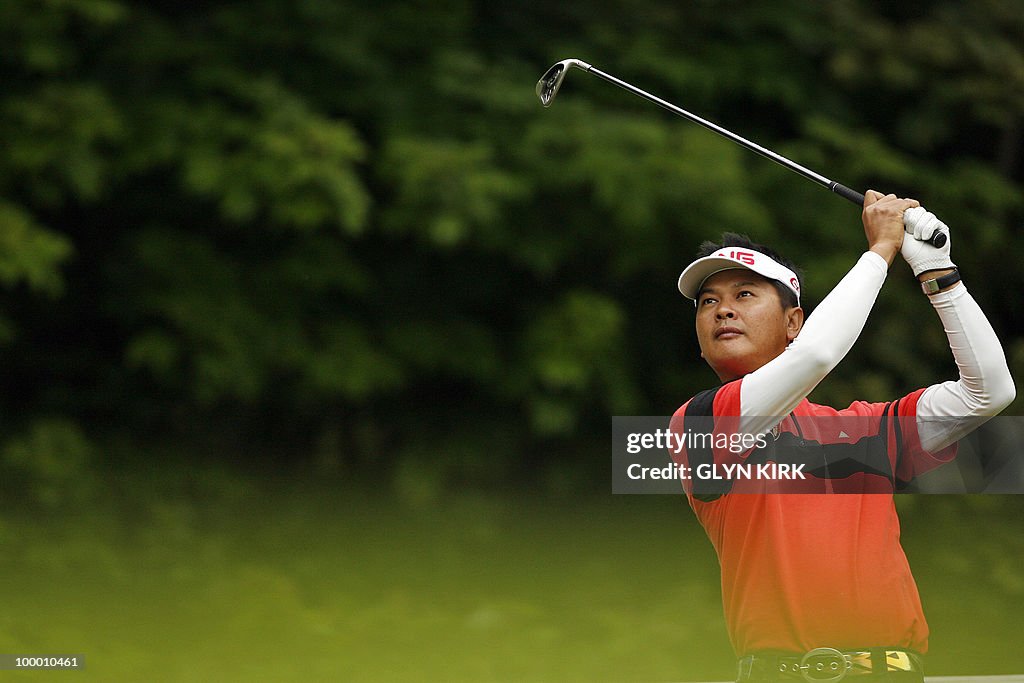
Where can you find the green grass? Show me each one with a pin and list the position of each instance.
(294, 582)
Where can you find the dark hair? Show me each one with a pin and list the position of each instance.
(732, 239)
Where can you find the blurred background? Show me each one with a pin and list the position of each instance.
(312, 320)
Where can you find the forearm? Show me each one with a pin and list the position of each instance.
(948, 411)
(777, 387)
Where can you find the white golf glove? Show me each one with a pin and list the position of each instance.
(921, 224)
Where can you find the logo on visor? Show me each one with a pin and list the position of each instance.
(742, 256)
(795, 283)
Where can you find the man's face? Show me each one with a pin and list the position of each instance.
(741, 324)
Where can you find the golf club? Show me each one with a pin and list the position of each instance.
(551, 81)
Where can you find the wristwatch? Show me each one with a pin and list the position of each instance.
(936, 285)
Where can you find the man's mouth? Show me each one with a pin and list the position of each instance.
(727, 332)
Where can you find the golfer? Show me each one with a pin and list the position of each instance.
(815, 584)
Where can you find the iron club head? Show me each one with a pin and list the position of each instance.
(551, 81)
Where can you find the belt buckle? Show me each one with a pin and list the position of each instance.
(824, 665)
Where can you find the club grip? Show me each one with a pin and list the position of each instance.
(846, 193)
(938, 240)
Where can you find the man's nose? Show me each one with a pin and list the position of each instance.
(724, 312)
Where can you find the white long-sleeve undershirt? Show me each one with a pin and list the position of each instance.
(945, 412)
(948, 411)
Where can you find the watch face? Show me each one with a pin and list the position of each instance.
(939, 283)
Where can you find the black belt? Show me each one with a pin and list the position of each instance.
(827, 665)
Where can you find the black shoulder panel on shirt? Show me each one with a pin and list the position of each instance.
(700, 419)
(703, 404)
(899, 483)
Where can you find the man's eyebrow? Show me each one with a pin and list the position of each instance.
(744, 283)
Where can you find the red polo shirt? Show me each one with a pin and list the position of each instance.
(814, 562)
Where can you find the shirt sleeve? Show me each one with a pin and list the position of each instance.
(949, 411)
(915, 455)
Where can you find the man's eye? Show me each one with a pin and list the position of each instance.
(706, 301)
(746, 292)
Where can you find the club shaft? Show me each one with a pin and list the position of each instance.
(551, 81)
(842, 190)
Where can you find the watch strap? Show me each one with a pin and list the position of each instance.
(936, 285)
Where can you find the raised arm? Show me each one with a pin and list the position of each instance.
(948, 411)
(776, 388)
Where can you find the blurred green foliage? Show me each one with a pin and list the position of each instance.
(273, 228)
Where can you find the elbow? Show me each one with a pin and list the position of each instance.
(1003, 393)
(999, 393)
(1001, 390)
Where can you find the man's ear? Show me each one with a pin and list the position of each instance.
(794, 322)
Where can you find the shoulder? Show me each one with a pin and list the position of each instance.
(905, 406)
(720, 400)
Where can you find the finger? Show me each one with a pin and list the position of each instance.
(870, 197)
(916, 220)
(926, 228)
(904, 204)
(920, 223)
(911, 219)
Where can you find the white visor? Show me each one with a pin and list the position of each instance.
(729, 258)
